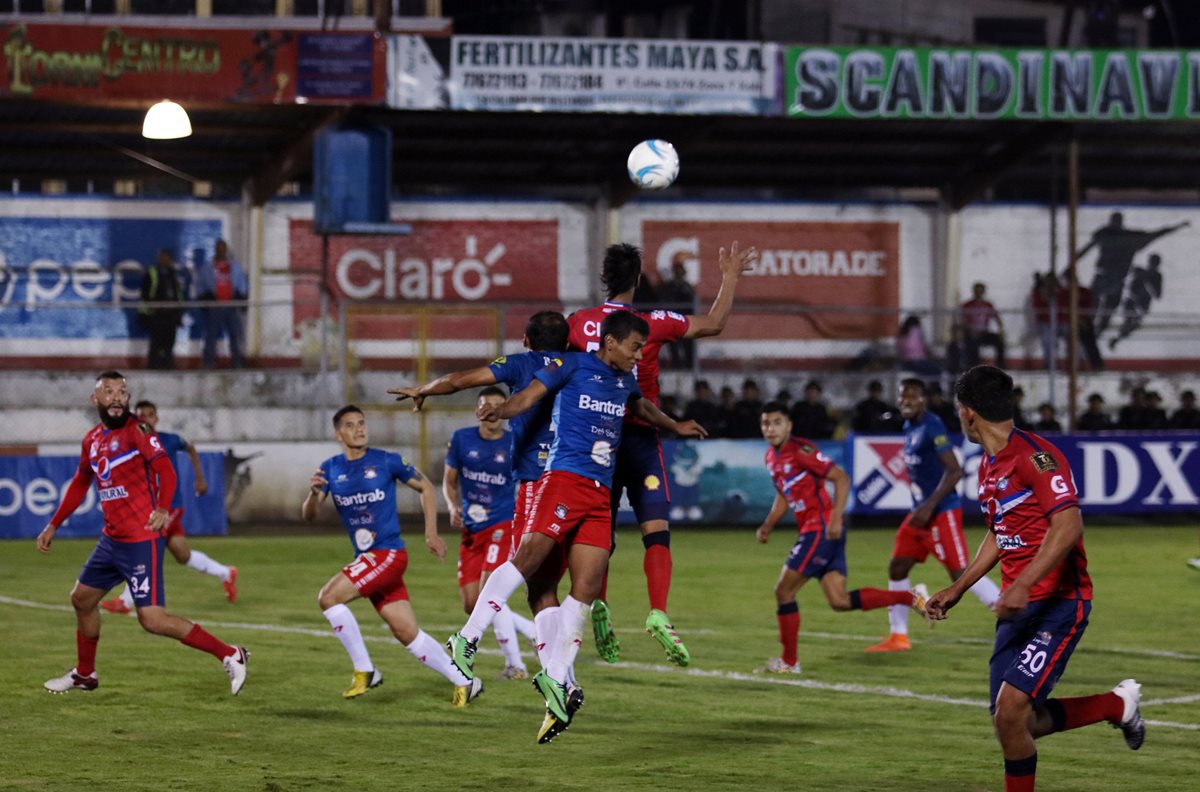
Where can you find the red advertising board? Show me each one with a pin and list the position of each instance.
(82, 62)
(842, 278)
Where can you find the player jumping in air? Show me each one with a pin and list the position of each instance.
(571, 506)
(477, 485)
(935, 523)
(799, 471)
(135, 481)
(362, 481)
(177, 542)
(1035, 533)
(639, 466)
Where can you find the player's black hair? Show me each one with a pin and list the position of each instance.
(619, 324)
(988, 391)
(145, 404)
(493, 390)
(349, 408)
(774, 407)
(914, 382)
(110, 374)
(621, 268)
(547, 331)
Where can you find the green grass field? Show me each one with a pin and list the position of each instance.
(163, 718)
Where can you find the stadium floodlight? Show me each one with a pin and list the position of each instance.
(166, 121)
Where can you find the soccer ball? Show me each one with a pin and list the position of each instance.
(653, 164)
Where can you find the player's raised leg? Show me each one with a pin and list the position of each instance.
(402, 621)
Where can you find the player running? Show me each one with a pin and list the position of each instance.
(134, 480)
(177, 542)
(477, 484)
(363, 483)
(799, 471)
(640, 471)
(571, 506)
(1035, 532)
(935, 523)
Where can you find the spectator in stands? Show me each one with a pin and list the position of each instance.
(1095, 419)
(645, 294)
(222, 281)
(1156, 416)
(784, 397)
(956, 350)
(809, 416)
(678, 295)
(1087, 321)
(1187, 416)
(978, 317)
(703, 407)
(1133, 416)
(873, 415)
(1019, 419)
(161, 285)
(1044, 300)
(747, 412)
(728, 402)
(912, 351)
(1047, 421)
(935, 402)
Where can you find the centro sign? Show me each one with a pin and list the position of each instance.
(364, 274)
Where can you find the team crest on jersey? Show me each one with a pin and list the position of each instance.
(1043, 462)
(370, 473)
(652, 483)
(621, 382)
(114, 444)
(1001, 486)
(560, 511)
(787, 467)
(472, 454)
(497, 534)
(341, 477)
(499, 458)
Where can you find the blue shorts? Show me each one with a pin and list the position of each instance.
(1032, 650)
(137, 563)
(813, 555)
(641, 473)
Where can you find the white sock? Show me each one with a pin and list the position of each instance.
(571, 617)
(206, 565)
(898, 614)
(987, 591)
(432, 655)
(499, 587)
(506, 636)
(524, 626)
(546, 622)
(127, 597)
(345, 627)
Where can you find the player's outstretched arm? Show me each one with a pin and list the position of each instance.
(1066, 528)
(76, 492)
(514, 405)
(778, 509)
(986, 557)
(732, 263)
(841, 493)
(649, 412)
(424, 486)
(316, 493)
(445, 385)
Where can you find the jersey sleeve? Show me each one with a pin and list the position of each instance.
(399, 469)
(148, 443)
(668, 326)
(557, 373)
(1049, 477)
(452, 452)
(940, 437)
(505, 370)
(814, 460)
(326, 466)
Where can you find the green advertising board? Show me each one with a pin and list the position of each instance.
(978, 84)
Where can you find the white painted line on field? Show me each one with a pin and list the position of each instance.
(840, 687)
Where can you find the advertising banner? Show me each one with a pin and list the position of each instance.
(82, 62)
(834, 273)
(593, 75)
(32, 487)
(969, 84)
(1114, 473)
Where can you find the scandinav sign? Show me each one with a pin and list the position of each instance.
(964, 84)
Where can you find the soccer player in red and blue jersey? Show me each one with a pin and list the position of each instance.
(1035, 533)
(478, 486)
(799, 471)
(362, 482)
(177, 542)
(135, 483)
(640, 471)
(935, 523)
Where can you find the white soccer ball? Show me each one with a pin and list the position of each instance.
(653, 164)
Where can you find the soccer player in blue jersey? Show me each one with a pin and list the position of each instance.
(177, 543)
(935, 523)
(362, 481)
(478, 486)
(571, 508)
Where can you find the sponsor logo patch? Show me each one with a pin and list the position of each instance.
(1043, 462)
(1006, 542)
(652, 483)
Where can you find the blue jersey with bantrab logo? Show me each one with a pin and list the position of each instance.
(924, 441)
(591, 401)
(173, 444)
(532, 430)
(485, 479)
(364, 492)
